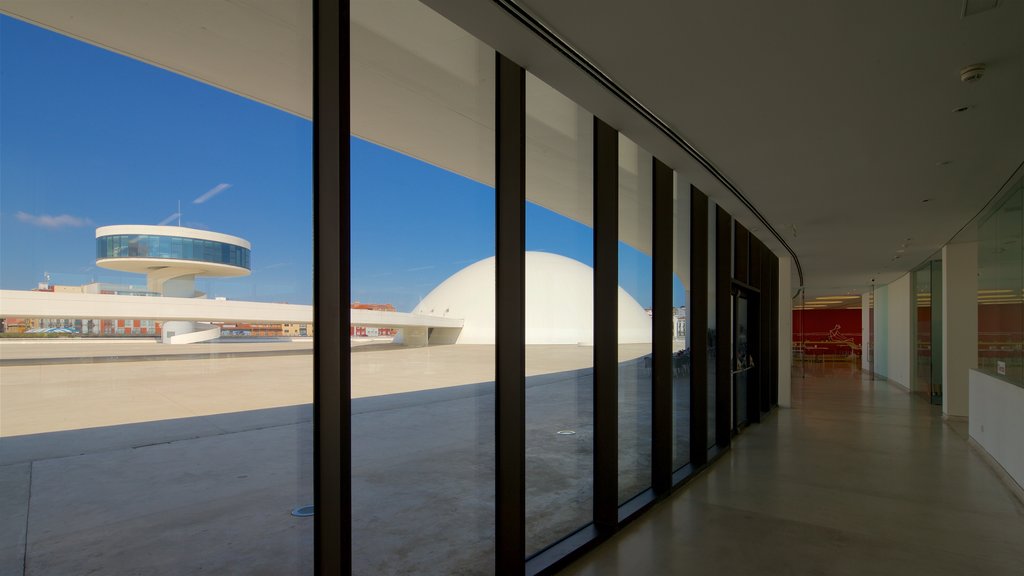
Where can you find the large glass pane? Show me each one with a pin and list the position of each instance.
(922, 278)
(133, 441)
(935, 386)
(634, 318)
(559, 316)
(1000, 284)
(422, 261)
(681, 349)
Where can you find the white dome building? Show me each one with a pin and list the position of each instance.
(559, 304)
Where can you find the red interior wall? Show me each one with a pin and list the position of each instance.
(1000, 328)
(817, 324)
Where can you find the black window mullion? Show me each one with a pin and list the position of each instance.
(775, 331)
(698, 318)
(661, 381)
(332, 432)
(606, 325)
(510, 317)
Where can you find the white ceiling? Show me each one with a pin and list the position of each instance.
(260, 49)
(831, 117)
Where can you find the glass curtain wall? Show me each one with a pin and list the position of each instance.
(559, 316)
(422, 262)
(681, 348)
(634, 318)
(923, 328)
(928, 330)
(1000, 287)
(136, 451)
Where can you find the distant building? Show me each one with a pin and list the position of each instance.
(297, 329)
(377, 307)
(372, 332)
(679, 322)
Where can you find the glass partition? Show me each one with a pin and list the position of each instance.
(1000, 285)
(928, 330)
(559, 316)
(422, 261)
(681, 348)
(634, 318)
(922, 278)
(126, 449)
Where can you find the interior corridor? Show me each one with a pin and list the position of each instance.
(860, 477)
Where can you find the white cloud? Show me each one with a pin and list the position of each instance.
(211, 193)
(53, 222)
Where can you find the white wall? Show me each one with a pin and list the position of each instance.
(997, 421)
(893, 315)
(785, 331)
(959, 325)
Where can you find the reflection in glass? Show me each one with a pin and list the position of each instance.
(1000, 287)
(559, 316)
(928, 330)
(149, 246)
(923, 331)
(634, 318)
(681, 349)
(422, 261)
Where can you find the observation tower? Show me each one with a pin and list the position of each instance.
(171, 257)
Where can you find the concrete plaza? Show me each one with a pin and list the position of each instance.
(132, 457)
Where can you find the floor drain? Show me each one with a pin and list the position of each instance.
(303, 511)
(566, 432)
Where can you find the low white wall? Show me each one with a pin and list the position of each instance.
(997, 421)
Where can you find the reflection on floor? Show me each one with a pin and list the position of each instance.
(859, 477)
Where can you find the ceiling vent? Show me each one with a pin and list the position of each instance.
(972, 73)
(972, 7)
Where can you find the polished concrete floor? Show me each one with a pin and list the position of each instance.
(859, 477)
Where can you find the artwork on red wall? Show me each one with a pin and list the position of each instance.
(829, 333)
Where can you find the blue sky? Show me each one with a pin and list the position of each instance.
(90, 138)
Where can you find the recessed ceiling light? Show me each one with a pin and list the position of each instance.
(926, 200)
(959, 109)
(944, 163)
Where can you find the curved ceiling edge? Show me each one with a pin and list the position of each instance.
(547, 35)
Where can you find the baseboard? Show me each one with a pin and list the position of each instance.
(1001, 472)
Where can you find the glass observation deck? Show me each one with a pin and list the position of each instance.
(172, 248)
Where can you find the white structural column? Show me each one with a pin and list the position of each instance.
(785, 331)
(960, 325)
(901, 316)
